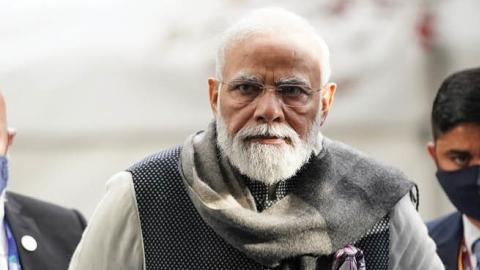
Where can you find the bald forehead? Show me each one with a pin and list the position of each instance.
(280, 55)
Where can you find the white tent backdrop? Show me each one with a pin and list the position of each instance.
(93, 86)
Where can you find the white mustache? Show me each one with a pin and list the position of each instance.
(280, 131)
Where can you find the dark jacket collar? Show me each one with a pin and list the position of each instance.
(447, 232)
(22, 224)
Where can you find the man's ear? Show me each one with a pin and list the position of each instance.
(7, 140)
(328, 92)
(213, 94)
(11, 133)
(327, 96)
(431, 151)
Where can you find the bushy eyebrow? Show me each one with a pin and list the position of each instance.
(247, 78)
(293, 81)
(458, 152)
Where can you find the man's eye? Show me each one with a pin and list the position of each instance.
(461, 160)
(291, 90)
(248, 89)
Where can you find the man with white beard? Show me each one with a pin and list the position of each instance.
(260, 188)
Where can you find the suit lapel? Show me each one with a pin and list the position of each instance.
(449, 240)
(23, 225)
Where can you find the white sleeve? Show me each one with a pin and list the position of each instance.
(112, 239)
(410, 246)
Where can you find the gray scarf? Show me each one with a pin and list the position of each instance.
(340, 195)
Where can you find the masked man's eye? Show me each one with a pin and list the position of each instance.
(461, 159)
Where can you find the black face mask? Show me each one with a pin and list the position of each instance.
(463, 189)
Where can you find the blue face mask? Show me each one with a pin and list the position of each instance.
(463, 189)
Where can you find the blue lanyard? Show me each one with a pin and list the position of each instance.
(13, 260)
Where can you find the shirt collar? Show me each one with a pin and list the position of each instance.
(266, 196)
(471, 233)
(3, 238)
(2, 204)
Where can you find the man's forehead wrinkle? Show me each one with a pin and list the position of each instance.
(275, 60)
(455, 143)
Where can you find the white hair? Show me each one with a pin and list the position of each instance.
(272, 20)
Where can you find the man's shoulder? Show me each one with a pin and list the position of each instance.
(351, 158)
(45, 214)
(447, 232)
(36, 207)
(382, 185)
(445, 223)
(165, 157)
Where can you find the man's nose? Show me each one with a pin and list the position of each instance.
(269, 109)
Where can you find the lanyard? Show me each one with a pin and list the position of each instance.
(464, 258)
(13, 260)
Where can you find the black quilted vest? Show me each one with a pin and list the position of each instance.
(176, 237)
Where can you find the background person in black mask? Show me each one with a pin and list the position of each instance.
(456, 152)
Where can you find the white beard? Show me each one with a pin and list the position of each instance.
(267, 163)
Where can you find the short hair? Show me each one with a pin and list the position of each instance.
(267, 21)
(457, 101)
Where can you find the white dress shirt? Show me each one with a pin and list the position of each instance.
(3, 236)
(471, 233)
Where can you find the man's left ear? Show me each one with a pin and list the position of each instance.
(328, 92)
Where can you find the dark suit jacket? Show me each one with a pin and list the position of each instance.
(447, 232)
(57, 231)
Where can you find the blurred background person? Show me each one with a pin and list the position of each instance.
(33, 234)
(456, 152)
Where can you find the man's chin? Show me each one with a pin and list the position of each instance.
(266, 163)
